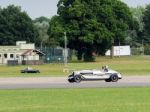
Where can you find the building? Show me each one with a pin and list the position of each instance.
(120, 51)
(22, 53)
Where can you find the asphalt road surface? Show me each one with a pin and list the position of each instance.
(61, 82)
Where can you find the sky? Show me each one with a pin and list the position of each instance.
(48, 8)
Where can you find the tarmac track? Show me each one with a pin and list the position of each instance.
(61, 82)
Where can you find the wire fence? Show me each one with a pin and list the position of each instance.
(55, 55)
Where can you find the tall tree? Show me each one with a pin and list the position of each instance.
(56, 31)
(91, 25)
(136, 34)
(15, 25)
(42, 25)
(146, 20)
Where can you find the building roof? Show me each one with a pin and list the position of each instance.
(22, 49)
(32, 50)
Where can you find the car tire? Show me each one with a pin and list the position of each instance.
(107, 80)
(77, 78)
(114, 78)
(70, 80)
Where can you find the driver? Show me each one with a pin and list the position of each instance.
(29, 68)
(105, 68)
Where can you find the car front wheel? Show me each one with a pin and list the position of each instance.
(77, 78)
(114, 78)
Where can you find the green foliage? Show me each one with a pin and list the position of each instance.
(56, 31)
(146, 21)
(15, 25)
(147, 49)
(135, 35)
(41, 19)
(137, 51)
(138, 14)
(91, 25)
(42, 25)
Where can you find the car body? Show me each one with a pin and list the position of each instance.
(29, 70)
(107, 75)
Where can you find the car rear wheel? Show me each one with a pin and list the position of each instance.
(77, 78)
(114, 78)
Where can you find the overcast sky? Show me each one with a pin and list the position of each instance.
(48, 8)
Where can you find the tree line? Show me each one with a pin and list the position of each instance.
(91, 26)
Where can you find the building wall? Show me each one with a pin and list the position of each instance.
(18, 43)
(10, 56)
(31, 57)
(120, 51)
(27, 46)
(17, 56)
(15, 52)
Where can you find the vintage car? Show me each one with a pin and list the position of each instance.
(29, 70)
(97, 74)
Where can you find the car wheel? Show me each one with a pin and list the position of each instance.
(70, 80)
(77, 78)
(114, 78)
(107, 80)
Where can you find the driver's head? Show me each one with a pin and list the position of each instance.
(106, 66)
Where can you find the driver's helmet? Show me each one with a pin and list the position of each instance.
(106, 67)
(29, 68)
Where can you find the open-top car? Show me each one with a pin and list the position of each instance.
(105, 74)
(29, 70)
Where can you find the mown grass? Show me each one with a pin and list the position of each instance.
(76, 100)
(132, 65)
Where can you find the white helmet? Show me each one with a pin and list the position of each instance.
(106, 66)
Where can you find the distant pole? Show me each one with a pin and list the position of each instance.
(119, 47)
(112, 49)
(142, 47)
(41, 45)
(65, 52)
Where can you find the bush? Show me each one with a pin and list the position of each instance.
(136, 51)
(147, 49)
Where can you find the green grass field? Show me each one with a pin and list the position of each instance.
(133, 65)
(76, 100)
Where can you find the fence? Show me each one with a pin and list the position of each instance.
(137, 51)
(55, 55)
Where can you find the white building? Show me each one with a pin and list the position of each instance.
(22, 53)
(120, 51)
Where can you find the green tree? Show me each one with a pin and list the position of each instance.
(138, 14)
(136, 34)
(42, 25)
(15, 25)
(56, 31)
(91, 25)
(146, 20)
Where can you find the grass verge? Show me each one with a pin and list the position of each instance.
(133, 65)
(76, 100)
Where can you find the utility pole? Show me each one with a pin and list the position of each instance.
(112, 49)
(119, 47)
(142, 47)
(65, 51)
